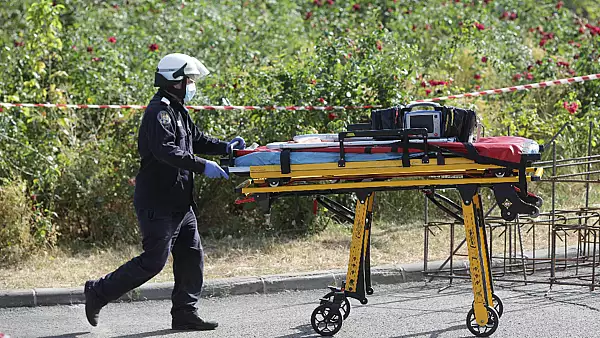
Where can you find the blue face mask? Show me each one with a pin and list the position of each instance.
(190, 91)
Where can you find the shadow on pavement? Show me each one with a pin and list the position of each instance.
(69, 335)
(157, 333)
(436, 333)
(304, 331)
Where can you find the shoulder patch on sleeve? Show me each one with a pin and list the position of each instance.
(164, 118)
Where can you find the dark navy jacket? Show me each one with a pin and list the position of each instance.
(167, 142)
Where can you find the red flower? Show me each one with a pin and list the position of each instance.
(112, 39)
(581, 30)
(571, 107)
(90, 49)
(356, 7)
(74, 47)
(437, 83)
(330, 2)
(516, 77)
(153, 47)
(563, 64)
(576, 57)
(427, 27)
(322, 100)
(477, 76)
(427, 92)
(538, 62)
(332, 116)
(571, 71)
(479, 26)
(484, 59)
(529, 68)
(317, 2)
(308, 15)
(19, 43)
(379, 45)
(559, 5)
(96, 59)
(115, 6)
(529, 76)
(423, 84)
(313, 81)
(513, 16)
(504, 15)
(543, 42)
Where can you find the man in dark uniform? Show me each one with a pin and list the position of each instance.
(163, 200)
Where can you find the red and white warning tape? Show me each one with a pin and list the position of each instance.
(516, 88)
(451, 97)
(115, 106)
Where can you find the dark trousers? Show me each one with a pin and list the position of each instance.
(163, 232)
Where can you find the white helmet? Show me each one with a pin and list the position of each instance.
(174, 67)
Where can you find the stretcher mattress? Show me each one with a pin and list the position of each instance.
(504, 148)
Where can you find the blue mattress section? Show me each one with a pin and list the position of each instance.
(272, 158)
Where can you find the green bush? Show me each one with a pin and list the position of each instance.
(15, 219)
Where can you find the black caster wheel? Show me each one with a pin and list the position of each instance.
(535, 212)
(370, 291)
(489, 328)
(364, 301)
(273, 182)
(498, 305)
(507, 215)
(344, 307)
(325, 321)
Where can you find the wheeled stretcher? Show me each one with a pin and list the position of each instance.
(366, 161)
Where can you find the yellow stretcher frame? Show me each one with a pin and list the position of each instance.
(365, 178)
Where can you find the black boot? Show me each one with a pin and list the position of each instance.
(93, 304)
(191, 321)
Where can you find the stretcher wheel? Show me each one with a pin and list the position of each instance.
(364, 301)
(344, 307)
(489, 328)
(535, 212)
(273, 183)
(498, 305)
(507, 215)
(370, 291)
(326, 321)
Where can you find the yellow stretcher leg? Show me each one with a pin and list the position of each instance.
(358, 244)
(486, 318)
(487, 274)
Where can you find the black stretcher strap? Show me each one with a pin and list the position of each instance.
(285, 161)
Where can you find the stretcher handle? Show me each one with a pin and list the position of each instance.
(231, 147)
(421, 104)
(399, 133)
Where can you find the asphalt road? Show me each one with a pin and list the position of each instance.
(400, 311)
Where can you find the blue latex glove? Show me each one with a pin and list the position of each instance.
(241, 143)
(213, 170)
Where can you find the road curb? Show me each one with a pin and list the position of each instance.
(216, 287)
